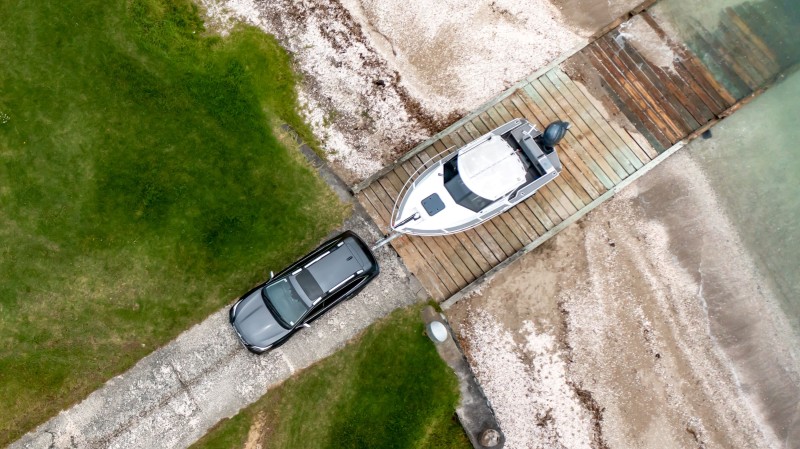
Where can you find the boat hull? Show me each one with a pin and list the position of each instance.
(434, 201)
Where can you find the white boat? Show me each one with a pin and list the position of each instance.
(460, 189)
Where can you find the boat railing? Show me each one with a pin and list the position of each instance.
(412, 178)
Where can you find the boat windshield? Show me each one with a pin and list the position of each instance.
(285, 301)
(461, 194)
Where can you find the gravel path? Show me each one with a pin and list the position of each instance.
(173, 396)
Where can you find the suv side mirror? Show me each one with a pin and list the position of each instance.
(271, 275)
(305, 325)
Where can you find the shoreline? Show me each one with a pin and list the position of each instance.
(656, 338)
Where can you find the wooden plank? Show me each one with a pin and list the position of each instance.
(618, 135)
(628, 95)
(605, 159)
(770, 31)
(628, 90)
(608, 172)
(570, 147)
(570, 159)
(544, 202)
(707, 102)
(713, 60)
(691, 63)
(739, 49)
(758, 47)
(602, 128)
(652, 86)
(379, 218)
(727, 57)
(660, 110)
(608, 91)
(690, 107)
(420, 266)
(575, 112)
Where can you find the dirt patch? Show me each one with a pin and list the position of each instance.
(256, 433)
(657, 319)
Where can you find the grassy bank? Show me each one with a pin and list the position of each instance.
(386, 389)
(141, 187)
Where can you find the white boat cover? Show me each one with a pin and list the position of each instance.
(491, 169)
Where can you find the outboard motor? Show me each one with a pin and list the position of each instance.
(553, 134)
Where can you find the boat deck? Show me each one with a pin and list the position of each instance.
(624, 110)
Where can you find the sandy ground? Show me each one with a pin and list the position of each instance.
(645, 325)
(381, 77)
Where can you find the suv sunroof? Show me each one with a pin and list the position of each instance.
(309, 285)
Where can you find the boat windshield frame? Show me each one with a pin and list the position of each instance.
(459, 191)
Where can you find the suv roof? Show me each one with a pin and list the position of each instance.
(328, 270)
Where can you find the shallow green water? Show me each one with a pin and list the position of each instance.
(753, 163)
(753, 158)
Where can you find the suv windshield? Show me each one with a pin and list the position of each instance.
(285, 301)
(461, 194)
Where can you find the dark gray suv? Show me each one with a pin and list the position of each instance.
(266, 316)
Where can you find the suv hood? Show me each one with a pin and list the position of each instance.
(255, 323)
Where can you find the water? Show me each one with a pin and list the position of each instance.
(752, 160)
(753, 164)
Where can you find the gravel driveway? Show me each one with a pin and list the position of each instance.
(173, 396)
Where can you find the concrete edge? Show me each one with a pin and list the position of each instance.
(503, 95)
(474, 285)
(474, 411)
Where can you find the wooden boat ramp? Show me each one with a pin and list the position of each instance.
(626, 112)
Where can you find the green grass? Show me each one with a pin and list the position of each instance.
(386, 389)
(141, 187)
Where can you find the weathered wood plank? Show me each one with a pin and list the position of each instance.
(722, 99)
(660, 109)
(571, 161)
(625, 93)
(644, 74)
(618, 136)
(610, 169)
(575, 113)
